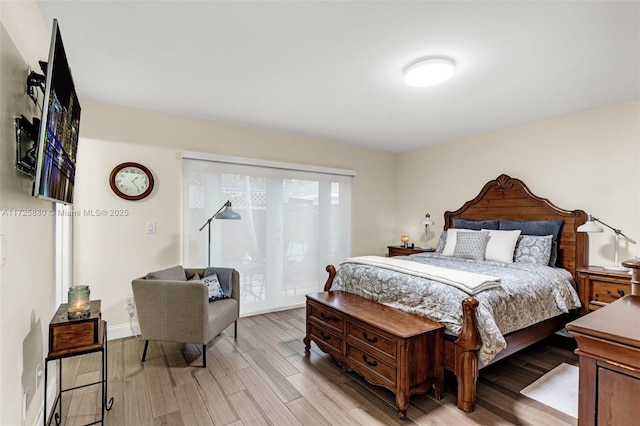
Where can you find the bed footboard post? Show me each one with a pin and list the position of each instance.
(332, 273)
(466, 363)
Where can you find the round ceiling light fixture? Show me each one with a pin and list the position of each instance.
(429, 72)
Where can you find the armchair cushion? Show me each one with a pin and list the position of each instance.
(175, 273)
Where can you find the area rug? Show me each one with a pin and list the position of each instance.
(557, 389)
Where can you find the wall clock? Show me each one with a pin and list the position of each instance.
(131, 181)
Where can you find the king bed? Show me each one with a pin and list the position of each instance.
(520, 300)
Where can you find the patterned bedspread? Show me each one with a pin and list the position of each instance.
(529, 294)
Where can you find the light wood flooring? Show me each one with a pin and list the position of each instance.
(263, 378)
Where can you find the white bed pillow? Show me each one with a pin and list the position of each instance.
(450, 245)
(501, 245)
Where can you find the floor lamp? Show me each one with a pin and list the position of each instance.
(224, 212)
(591, 226)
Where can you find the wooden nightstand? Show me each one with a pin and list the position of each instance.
(401, 251)
(598, 287)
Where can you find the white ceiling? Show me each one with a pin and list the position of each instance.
(333, 69)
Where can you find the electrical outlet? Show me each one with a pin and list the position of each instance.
(129, 303)
(38, 376)
(25, 403)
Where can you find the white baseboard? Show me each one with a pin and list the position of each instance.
(121, 331)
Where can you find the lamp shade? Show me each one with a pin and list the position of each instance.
(590, 226)
(428, 221)
(227, 213)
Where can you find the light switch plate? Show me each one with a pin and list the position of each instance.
(151, 227)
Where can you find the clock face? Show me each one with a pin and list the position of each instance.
(131, 181)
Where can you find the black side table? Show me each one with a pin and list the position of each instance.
(92, 333)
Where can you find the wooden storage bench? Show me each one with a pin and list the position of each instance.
(388, 347)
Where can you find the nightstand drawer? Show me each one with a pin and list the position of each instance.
(607, 292)
(407, 251)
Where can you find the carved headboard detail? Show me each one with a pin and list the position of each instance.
(509, 198)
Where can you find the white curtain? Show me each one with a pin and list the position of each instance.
(293, 223)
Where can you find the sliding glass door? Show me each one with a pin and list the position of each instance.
(293, 223)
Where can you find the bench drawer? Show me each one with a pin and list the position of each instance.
(371, 367)
(327, 337)
(327, 317)
(372, 339)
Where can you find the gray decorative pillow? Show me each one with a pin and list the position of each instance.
(476, 225)
(538, 227)
(441, 242)
(534, 249)
(471, 245)
(195, 277)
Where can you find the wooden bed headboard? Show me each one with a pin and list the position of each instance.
(509, 198)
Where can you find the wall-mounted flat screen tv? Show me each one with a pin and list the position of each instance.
(59, 129)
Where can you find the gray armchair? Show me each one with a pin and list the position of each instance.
(171, 308)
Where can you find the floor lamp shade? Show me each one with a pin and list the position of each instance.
(227, 212)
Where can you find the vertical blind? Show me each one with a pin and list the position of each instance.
(293, 223)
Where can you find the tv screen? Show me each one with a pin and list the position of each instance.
(59, 129)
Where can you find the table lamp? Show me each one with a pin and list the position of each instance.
(591, 226)
(427, 222)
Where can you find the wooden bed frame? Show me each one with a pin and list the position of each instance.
(505, 198)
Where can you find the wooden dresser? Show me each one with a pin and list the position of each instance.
(609, 348)
(598, 287)
(388, 347)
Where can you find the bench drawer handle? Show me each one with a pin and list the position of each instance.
(326, 317)
(368, 339)
(369, 363)
(621, 293)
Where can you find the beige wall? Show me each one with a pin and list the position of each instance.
(27, 275)
(109, 252)
(585, 161)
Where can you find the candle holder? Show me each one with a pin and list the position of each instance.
(79, 305)
(405, 241)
